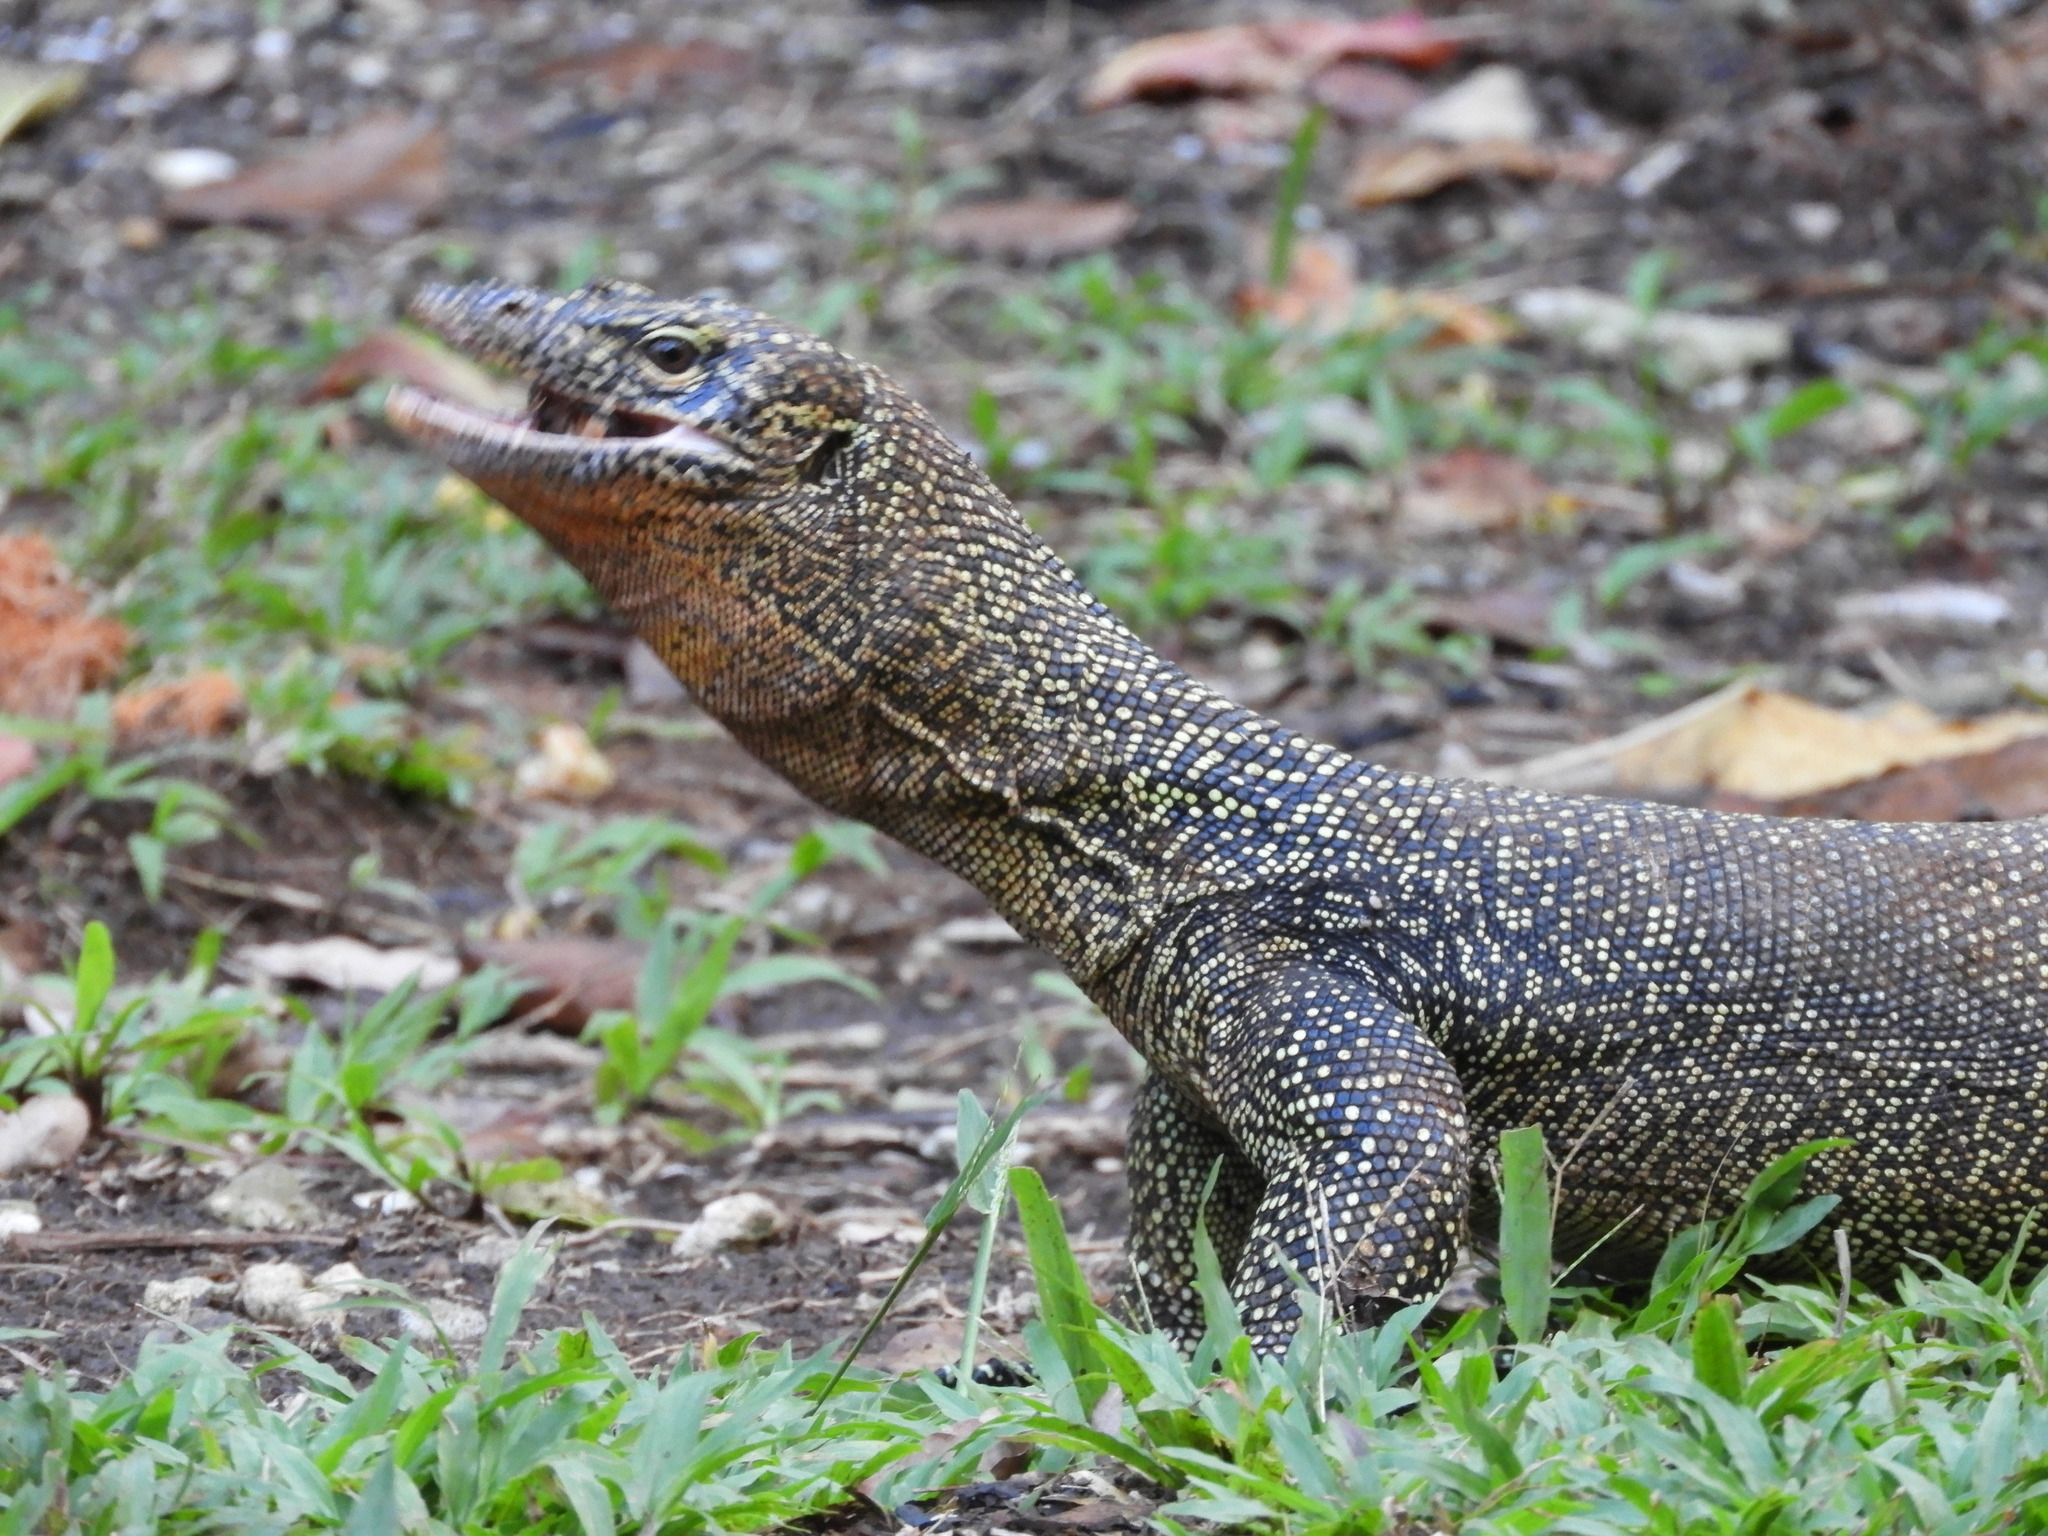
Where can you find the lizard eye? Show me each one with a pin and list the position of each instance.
(670, 351)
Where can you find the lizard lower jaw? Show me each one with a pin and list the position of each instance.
(463, 433)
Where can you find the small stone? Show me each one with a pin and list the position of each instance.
(175, 1299)
(489, 1251)
(456, 1321)
(987, 931)
(264, 1197)
(277, 1294)
(139, 232)
(185, 69)
(46, 1132)
(18, 1216)
(1815, 223)
(1928, 608)
(1490, 103)
(180, 170)
(744, 1220)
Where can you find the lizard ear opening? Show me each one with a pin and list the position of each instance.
(822, 467)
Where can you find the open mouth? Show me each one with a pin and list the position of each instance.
(554, 424)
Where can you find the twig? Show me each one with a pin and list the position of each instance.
(159, 1238)
(276, 895)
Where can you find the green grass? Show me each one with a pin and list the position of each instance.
(1784, 1408)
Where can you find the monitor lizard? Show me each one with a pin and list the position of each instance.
(1344, 978)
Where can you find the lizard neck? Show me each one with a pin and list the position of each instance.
(1081, 782)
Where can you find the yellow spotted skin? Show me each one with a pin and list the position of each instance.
(1345, 979)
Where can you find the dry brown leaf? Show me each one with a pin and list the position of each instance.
(1459, 321)
(1517, 616)
(1035, 228)
(51, 649)
(2001, 785)
(1472, 490)
(1751, 741)
(29, 93)
(185, 69)
(1403, 172)
(409, 357)
(640, 71)
(922, 1347)
(568, 766)
(2012, 73)
(569, 979)
(381, 177)
(1321, 289)
(1245, 60)
(206, 704)
(1365, 95)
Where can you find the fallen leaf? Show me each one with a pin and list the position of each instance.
(205, 704)
(17, 758)
(48, 1131)
(342, 964)
(185, 69)
(1246, 60)
(511, 1135)
(381, 176)
(568, 766)
(639, 71)
(1489, 104)
(1459, 321)
(1403, 172)
(1035, 228)
(1751, 741)
(1321, 291)
(1229, 123)
(2012, 73)
(571, 978)
(560, 1199)
(51, 649)
(922, 1347)
(1518, 616)
(1473, 490)
(2005, 784)
(1365, 95)
(29, 93)
(411, 357)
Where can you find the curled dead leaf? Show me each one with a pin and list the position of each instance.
(1363, 95)
(568, 766)
(410, 357)
(51, 648)
(205, 704)
(1404, 172)
(1035, 228)
(1273, 56)
(570, 978)
(1473, 490)
(29, 93)
(640, 71)
(381, 177)
(1750, 741)
(1321, 290)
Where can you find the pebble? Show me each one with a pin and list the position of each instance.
(1490, 103)
(1928, 608)
(456, 1321)
(744, 1220)
(264, 1197)
(180, 170)
(46, 1132)
(19, 1216)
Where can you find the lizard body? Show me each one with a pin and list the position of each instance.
(1342, 977)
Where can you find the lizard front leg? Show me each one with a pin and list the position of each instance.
(1172, 1151)
(1357, 1123)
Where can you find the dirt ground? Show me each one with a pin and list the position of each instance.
(1870, 109)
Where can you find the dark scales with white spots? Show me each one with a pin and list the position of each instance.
(1343, 978)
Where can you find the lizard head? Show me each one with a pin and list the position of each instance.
(693, 458)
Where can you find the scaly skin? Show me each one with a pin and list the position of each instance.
(1339, 974)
